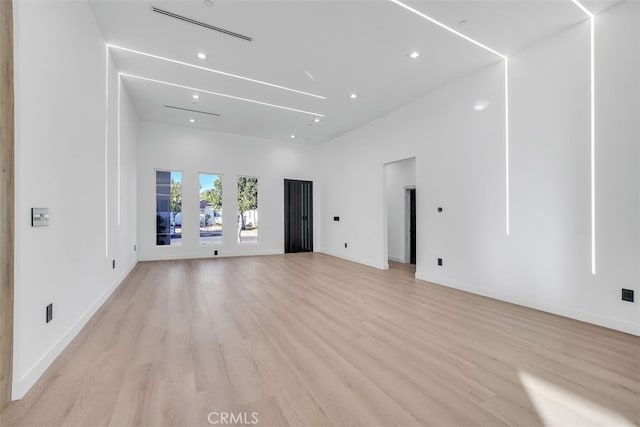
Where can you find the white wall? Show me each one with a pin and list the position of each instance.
(60, 164)
(618, 148)
(545, 262)
(447, 169)
(398, 176)
(195, 151)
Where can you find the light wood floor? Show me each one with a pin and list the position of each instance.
(308, 339)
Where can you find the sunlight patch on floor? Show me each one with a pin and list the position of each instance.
(559, 407)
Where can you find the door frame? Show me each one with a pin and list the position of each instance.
(7, 194)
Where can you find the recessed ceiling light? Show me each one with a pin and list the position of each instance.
(208, 3)
(353, 95)
(192, 120)
(462, 22)
(317, 120)
(202, 55)
(196, 96)
(480, 105)
(293, 136)
(415, 54)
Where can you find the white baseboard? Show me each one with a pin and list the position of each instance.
(397, 259)
(379, 266)
(584, 316)
(168, 257)
(21, 386)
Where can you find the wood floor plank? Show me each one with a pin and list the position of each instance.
(312, 340)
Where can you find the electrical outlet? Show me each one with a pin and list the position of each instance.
(113, 264)
(49, 313)
(627, 295)
(135, 248)
(345, 244)
(440, 261)
(215, 252)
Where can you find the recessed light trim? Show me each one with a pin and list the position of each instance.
(224, 95)
(211, 70)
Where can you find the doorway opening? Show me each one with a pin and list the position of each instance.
(411, 225)
(298, 216)
(400, 208)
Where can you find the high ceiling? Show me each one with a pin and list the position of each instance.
(328, 48)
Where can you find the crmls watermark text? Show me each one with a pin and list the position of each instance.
(222, 418)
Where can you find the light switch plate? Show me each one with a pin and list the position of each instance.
(39, 217)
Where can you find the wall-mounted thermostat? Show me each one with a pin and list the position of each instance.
(39, 217)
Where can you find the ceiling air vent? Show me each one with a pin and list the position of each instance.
(201, 24)
(192, 111)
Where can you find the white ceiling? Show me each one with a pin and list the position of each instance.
(328, 48)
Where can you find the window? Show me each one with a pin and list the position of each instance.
(210, 209)
(168, 208)
(247, 210)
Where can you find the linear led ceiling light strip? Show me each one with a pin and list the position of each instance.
(506, 95)
(106, 157)
(211, 70)
(592, 88)
(253, 101)
(119, 145)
